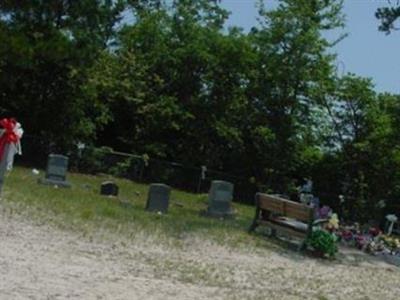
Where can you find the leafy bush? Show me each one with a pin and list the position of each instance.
(93, 160)
(324, 242)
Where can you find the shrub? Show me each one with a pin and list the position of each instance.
(324, 242)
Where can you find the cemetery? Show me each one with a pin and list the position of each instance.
(199, 149)
(308, 226)
(86, 213)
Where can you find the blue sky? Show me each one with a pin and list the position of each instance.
(366, 51)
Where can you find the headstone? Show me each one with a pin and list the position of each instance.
(109, 188)
(158, 198)
(56, 172)
(220, 199)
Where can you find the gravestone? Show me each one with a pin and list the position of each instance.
(220, 199)
(109, 188)
(158, 197)
(56, 172)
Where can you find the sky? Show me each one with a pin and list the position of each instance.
(366, 51)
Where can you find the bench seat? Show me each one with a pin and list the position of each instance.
(289, 217)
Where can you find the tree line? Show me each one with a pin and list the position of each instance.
(170, 80)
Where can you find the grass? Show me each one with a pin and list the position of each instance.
(82, 208)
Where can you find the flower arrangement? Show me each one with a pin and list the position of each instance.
(371, 240)
(361, 241)
(374, 231)
(328, 231)
(392, 243)
(333, 223)
(324, 212)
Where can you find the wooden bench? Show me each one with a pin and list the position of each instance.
(292, 218)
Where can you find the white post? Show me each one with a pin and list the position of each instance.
(390, 219)
(3, 166)
(12, 145)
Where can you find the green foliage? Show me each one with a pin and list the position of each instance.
(324, 242)
(361, 163)
(92, 160)
(183, 87)
(293, 62)
(46, 48)
(388, 17)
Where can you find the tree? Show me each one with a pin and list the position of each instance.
(195, 84)
(293, 61)
(361, 163)
(388, 17)
(46, 49)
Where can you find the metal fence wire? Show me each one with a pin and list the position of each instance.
(139, 168)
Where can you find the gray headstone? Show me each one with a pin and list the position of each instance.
(56, 172)
(220, 198)
(109, 188)
(57, 166)
(158, 198)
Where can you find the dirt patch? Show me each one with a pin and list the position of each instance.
(42, 262)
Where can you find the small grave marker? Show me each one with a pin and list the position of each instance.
(158, 198)
(220, 199)
(109, 188)
(56, 172)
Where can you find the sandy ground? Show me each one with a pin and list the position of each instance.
(41, 262)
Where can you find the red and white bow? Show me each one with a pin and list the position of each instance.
(10, 134)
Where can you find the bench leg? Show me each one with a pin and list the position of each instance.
(254, 225)
(302, 246)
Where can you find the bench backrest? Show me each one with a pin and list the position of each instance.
(285, 207)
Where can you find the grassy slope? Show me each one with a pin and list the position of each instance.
(237, 276)
(82, 208)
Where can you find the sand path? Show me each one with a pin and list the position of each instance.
(41, 262)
